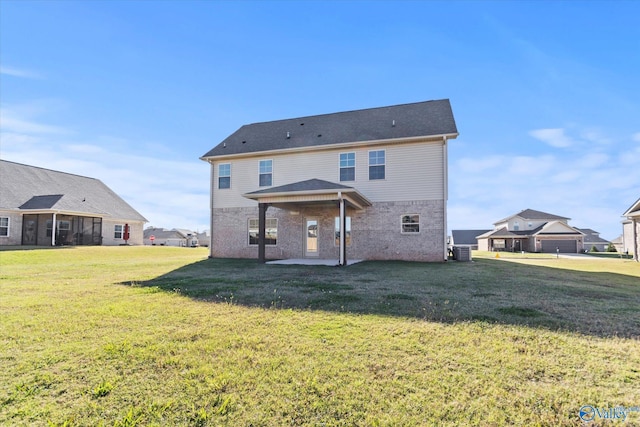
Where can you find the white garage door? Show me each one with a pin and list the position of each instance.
(565, 246)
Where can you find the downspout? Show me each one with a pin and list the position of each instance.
(445, 191)
(211, 212)
(343, 233)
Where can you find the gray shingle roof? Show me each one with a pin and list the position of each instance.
(427, 118)
(533, 214)
(466, 237)
(27, 187)
(308, 185)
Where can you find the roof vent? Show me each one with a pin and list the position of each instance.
(393, 123)
(244, 142)
(301, 124)
(224, 145)
(319, 135)
(288, 135)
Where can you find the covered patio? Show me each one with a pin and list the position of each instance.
(305, 194)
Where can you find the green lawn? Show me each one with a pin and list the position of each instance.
(127, 336)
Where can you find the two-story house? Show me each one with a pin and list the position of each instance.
(368, 183)
(532, 231)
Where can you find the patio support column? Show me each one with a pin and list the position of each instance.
(636, 249)
(262, 220)
(53, 230)
(343, 232)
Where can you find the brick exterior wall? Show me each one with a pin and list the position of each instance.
(375, 232)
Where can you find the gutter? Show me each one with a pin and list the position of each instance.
(327, 147)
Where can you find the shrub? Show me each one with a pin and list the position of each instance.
(593, 249)
(611, 248)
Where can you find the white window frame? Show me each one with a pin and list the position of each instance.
(384, 165)
(220, 175)
(257, 228)
(116, 232)
(403, 223)
(7, 226)
(340, 167)
(260, 173)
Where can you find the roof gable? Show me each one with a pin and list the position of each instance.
(421, 119)
(634, 210)
(557, 227)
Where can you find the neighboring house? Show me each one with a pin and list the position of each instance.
(49, 208)
(631, 230)
(592, 239)
(618, 243)
(532, 231)
(175, 237)
(466, 238)
(371, 183)
(203, 239)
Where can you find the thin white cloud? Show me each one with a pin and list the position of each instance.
(19, 72)
(554, 137)
(586, 187)
(636, 137)
(168, 192)
(11, 123)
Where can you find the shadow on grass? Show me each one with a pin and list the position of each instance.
(600, 304)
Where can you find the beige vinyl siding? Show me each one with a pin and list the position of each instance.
(412, 172)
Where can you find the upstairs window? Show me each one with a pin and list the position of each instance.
(376, 164)
(266, 173)
(411, 223)
(4, 226)
(347, 166)
(224, 175)
(516, 226)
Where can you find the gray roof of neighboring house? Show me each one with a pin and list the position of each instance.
(24, 188)
(534, 215)
(429, 118)
(591, 236)
(503, 232)
(466, 237)
(161, 234)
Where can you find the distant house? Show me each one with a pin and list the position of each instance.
(533, 231)
(631, 230)
(592, 240)
(175, 237)
(618, 243)
(44, 207)
(368, 183)
(466, 238)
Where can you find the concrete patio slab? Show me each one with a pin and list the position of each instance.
(312, 261)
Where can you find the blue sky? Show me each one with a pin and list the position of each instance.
(546, 94)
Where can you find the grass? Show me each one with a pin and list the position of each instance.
(163, 336)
